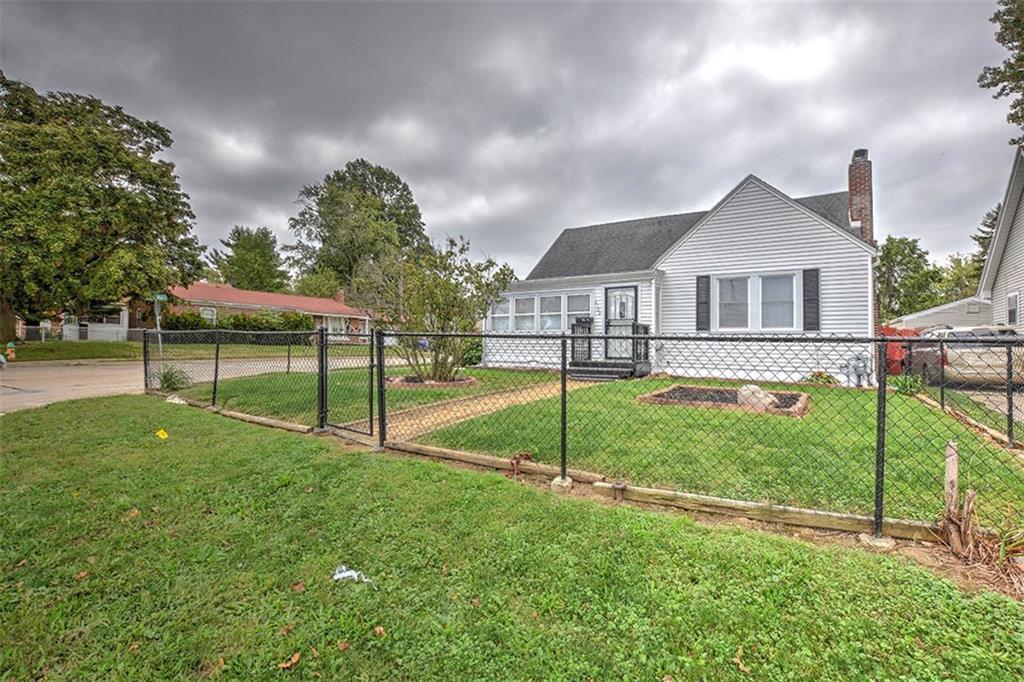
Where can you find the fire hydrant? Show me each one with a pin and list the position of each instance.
(9, 351)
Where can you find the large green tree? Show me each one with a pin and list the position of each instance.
(322, 283)
(905, 280)
(251, 260)
(338, 228)
(433, 290)
(1008, 77)
(397, 204)
(89, 213)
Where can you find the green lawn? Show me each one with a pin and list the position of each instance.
(824, 460)
(78, 350)
(129, 557)
(292, 397)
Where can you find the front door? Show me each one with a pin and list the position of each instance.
(620, 313)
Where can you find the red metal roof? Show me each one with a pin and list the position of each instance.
(225, 294)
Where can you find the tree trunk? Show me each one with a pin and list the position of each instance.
(7, 321)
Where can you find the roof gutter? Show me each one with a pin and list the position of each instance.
(574, 280)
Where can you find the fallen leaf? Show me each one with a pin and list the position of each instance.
(298, 587)
(309, 489)
(379, 631)
(312, 650)
(134, 646)
(535, 614)
(132, 514)
(474, 602)
(738, 660)
(161, 434)
(284, 665)
(287, 629)
(342, 645)
(21, 563)
(211, 669)
(667, 678)
(81, 575)
(91, 560)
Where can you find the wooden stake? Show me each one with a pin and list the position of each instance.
(952, 474)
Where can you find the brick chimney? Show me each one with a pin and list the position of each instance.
(339, 296)
(862, 214)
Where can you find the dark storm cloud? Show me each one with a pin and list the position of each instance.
(513, 121)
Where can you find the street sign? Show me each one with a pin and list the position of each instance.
(159, 297)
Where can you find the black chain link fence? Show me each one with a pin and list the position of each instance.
(851, 425)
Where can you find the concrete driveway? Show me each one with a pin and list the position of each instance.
(31, 384)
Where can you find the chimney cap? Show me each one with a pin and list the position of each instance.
(859, 155)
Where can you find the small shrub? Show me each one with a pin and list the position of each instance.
(297, 322)
(183, 319)
(172, 378)
(821, 377)
(906, 384)
(474, 353)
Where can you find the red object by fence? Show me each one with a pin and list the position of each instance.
(896, 351)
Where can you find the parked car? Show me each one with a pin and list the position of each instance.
(959, 355)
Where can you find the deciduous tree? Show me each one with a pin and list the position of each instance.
(905, 280)
(89, 212)
(435, 290)
(1008, 77)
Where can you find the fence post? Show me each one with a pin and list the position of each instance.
(369, 388)
(563, 434)
(321, 383)
(382, 405)
(216, 366)
(288, 367)
(883, 371)
(942, 375)
(1009, 394)
(145, 359)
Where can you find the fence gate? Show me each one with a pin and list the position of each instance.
(349, 378)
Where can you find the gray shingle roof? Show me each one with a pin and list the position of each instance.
(632, 245)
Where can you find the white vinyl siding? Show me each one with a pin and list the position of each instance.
(758, 232)
(1009, 279)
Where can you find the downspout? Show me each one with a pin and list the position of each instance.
(654, 321)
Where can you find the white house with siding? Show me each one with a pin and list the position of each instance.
(758, 263)
(1002, 279)
(967, 312)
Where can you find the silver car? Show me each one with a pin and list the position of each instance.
(959, 360)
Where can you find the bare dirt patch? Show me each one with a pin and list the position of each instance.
(412, 382)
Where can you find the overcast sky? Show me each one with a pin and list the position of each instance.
(513, 121)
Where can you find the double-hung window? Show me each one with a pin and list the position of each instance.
(550, 313)
(577, 306)
(733, 304)
(778, 294)
(525, 314)
(500, 315)
(1013, 308)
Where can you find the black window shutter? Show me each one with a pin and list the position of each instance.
(703, 303)
(812, 301)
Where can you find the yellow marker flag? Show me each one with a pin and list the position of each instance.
(161, 434)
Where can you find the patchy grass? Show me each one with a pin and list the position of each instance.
(78, 350)
(292, 397)
(823, 460)
(126, 556)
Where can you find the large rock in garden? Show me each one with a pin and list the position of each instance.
(755, 398)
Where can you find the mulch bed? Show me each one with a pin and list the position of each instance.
(790, 404)
(408, 381)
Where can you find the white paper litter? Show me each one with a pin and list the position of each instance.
(176, 400)
(343, 572)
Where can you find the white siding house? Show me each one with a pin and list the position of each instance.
(759, 262)
(967, 312)
(1002, 280)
